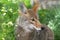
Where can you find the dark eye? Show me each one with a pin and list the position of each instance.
(33, 19)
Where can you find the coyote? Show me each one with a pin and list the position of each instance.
(28, 25)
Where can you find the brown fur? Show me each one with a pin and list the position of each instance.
(44, 34)
(27, 24)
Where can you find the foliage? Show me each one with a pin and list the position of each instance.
(9, 13)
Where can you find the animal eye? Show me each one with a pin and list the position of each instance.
(33, 19)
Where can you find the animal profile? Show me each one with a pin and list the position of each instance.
(28, 25)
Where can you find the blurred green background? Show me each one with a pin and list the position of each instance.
(9, 14)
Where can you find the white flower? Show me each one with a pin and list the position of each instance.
(10, 23)
(3, 9)
(10, 10)
(4, 14)
(3, 38)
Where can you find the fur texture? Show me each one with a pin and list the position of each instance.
(23, 32)
(28, 26)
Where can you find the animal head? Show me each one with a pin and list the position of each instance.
(31, 14)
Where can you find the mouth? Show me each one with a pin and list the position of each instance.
(34, 27)
(37, 28)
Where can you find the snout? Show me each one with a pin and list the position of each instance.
(39, 28)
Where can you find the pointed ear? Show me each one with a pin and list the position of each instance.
(22, 8)
(35, 4)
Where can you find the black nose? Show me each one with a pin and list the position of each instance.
(38, 31)
(42, 28)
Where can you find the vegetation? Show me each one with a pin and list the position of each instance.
(9, 13)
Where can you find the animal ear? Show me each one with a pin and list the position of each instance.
(35, 4)
(22, 8)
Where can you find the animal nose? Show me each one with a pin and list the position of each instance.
(42, 28)
(39, 30)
